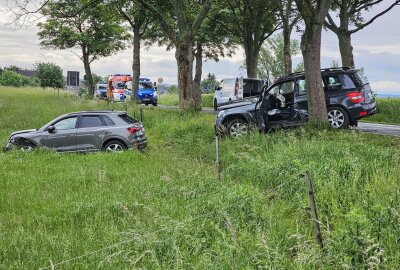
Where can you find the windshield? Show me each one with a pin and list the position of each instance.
(143, 85)
(119, 85)
(102, 87)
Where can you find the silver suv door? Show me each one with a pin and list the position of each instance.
(90, 133)
(63, 138)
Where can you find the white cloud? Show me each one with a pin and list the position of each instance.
(376, 49)
(386, 87)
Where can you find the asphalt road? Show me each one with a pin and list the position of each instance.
(382, 129)
(375, 128)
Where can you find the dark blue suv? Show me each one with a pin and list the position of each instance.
(146, 92)
(285, 103)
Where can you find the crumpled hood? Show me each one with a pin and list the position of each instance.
(23, 131)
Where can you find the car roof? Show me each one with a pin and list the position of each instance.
(95, 112)
(324, 71)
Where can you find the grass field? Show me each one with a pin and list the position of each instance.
(173, 100)
(389, 111)
(165, 209)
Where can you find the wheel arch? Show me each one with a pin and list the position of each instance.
(20, 140)
(339, 106)
(114, 139)
(234, 116)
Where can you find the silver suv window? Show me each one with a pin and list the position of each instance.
(91, 121)
(66, 123)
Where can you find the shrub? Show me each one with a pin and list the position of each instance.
(173, 89)
(50, 75)
(11, 78)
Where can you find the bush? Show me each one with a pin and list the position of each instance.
(173, 89)
(50, 75)
(30, 81)
(11, 78)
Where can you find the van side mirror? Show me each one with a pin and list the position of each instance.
(218, 88)
(51, 129)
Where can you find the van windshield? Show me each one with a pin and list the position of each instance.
(143, 85)
(119, 85)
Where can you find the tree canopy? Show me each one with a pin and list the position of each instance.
(50, 75)
(95, 31)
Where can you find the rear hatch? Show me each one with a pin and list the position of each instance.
(362, 83)
(135, 127)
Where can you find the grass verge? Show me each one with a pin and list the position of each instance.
(173, 100)
(163, 208)
(389, 112)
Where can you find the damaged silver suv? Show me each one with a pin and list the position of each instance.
(86, 131)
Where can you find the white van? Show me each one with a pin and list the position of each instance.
(232, 89)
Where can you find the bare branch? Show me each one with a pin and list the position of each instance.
(362, 26)
(165, 25)
(330, 24)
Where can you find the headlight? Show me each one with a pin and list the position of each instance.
(155, 94)
(221, 113)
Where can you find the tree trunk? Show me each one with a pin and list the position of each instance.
(311, 50)
(136, 59)
(346, 50)
(252, 55)
(88, 71)
(287, 53)
(184, 58)
(198, 73)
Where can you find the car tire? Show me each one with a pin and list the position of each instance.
(155, 104)
(26, 146)
(338, 117)
(215, 105)
(237, 128)
(114, 146)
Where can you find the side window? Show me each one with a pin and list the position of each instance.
(91, 121)
(348, 82)
(302, 87)
(108, 121)
(333, 82)
(286, 87)
(67, 123)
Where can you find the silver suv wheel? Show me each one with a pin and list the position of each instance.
(114, 146)
(26, 148)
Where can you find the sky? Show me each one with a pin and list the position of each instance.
(376, 49)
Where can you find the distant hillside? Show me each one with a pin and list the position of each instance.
(388, 96)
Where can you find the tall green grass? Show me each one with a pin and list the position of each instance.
(164, 208)
(389, 111)
(173, 100)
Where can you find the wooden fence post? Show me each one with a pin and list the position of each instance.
(314, 213)
(217, 163)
